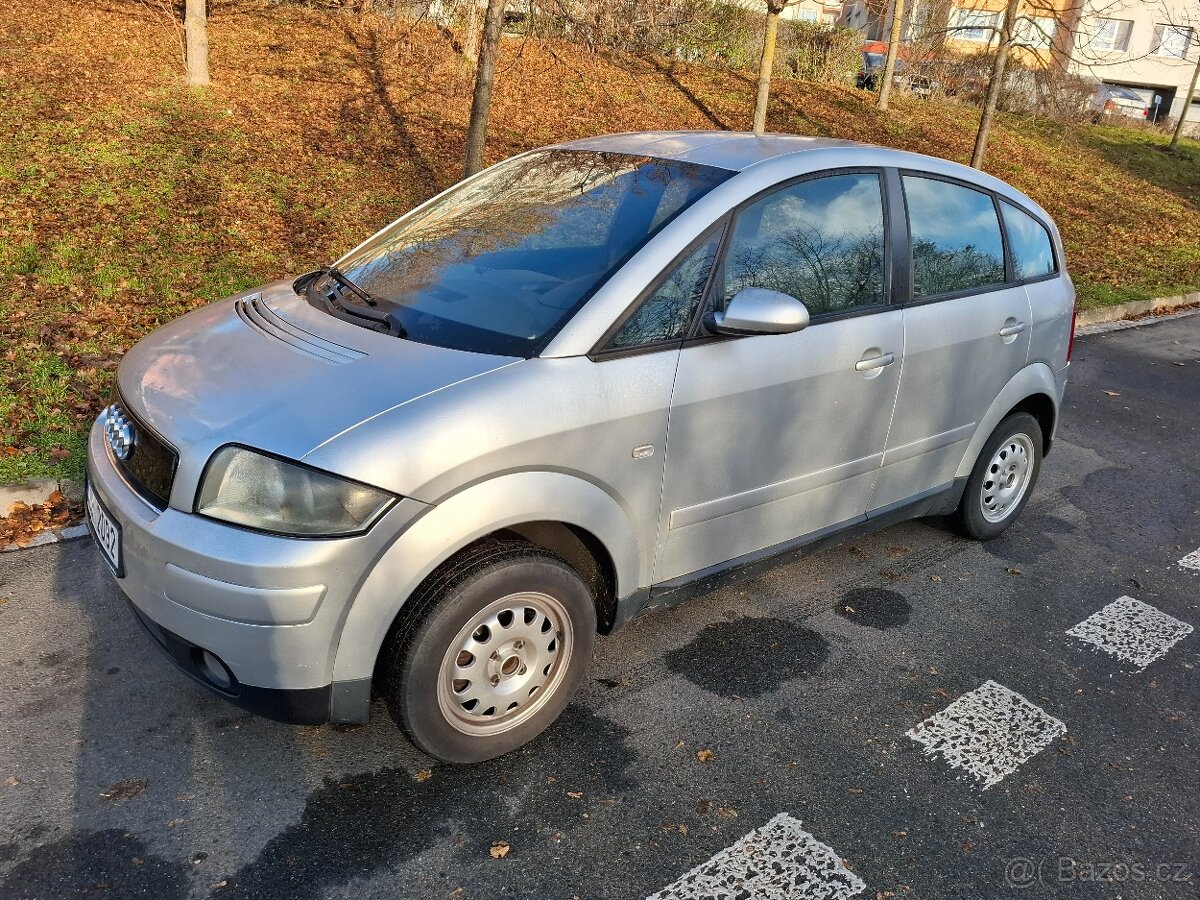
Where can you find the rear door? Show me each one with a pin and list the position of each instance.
(772, 437)
(966, 333)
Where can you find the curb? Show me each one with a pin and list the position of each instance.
(1088, 317)
(35, 493)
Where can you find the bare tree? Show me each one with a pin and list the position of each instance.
(485, 76)
(471, 38)
(996, 83)
(889, 64)
(1187, 105)
(195, 29)
(767, 63)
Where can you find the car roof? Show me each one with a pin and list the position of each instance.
(734, 150)
(738, 151)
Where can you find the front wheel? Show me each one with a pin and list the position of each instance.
(488, 652)
(1003, 478)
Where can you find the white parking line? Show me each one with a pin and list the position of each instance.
(989, 731)
(1191, 561)
(1132, 631)
(779, 861)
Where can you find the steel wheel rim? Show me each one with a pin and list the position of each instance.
(1006, 478)
(505, 663)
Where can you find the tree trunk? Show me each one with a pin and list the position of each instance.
(195, 30)
(471, 38)
(889, 64)
(485, 76)
(996, 84)
(764, 68)
(1187, 105)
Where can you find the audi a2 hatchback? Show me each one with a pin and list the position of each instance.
(585, 382)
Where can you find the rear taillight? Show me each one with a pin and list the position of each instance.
(1071, 340)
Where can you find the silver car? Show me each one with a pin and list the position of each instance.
(587, 382)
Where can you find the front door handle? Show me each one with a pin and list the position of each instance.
(874, 362)
(1012, 330)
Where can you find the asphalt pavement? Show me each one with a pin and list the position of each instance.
(901, 716)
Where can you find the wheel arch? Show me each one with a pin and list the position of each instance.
(1034, 390)
(568, 515)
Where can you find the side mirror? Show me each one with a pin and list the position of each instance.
(759, 311)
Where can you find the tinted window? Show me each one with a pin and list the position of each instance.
(666, 313)
(956, 241)
(820, 241)
(500, 263)
(1028, 242)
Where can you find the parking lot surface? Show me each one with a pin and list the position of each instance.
(905, 715)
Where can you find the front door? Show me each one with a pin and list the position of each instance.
(772, 437)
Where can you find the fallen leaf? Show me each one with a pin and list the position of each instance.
(575, 795)
(123, 790)
(704, 755)
(11, 781)
(848, 609)
(1113, 393)
(423, 775)
(727, 812)
(175, 823)
(499, 849)
(856, 790)
(1013, 571)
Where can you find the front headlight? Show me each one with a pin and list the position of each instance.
(249, 488)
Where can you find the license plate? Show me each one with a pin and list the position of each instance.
(105, 530)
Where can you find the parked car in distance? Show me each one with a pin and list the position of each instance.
(1113, 100)
(592, 380)
(903, 75)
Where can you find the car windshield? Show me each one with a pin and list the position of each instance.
(874, 60)
(1124, 94)
(500, 263)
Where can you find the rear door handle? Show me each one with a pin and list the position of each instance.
(875, 362)
(1011, 330)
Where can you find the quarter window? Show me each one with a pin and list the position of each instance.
(956, 243)
(1029, 244)
(821, 241)
(665, 314)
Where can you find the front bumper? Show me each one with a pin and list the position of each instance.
(269, 608)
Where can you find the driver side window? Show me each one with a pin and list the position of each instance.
(820, 241)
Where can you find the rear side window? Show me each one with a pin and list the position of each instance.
(821, 241)
(1029, 244)
(665, 314)
(956, 242)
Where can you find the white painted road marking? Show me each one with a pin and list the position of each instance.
(1191, 561)
(989, 731)
(1132, 631)
(779, 861)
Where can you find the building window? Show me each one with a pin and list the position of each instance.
(808, 15)
(975, 24)
(1171, 40)
(1035, 31)
(1111, 35)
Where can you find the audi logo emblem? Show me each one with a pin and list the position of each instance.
(119, 431)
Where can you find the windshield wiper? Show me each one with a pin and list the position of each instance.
(333, 299)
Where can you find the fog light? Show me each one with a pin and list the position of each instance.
(214, 670)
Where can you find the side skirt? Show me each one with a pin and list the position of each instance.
(936, 502)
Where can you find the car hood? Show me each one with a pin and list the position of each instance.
(266, 369)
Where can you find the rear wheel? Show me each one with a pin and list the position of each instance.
(488, 651)
(1003, 478)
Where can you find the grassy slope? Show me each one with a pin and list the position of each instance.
(126, 200)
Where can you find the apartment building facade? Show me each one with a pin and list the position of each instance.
(1148, 46)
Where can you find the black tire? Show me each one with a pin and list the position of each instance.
(411, 663)
(969, 517)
